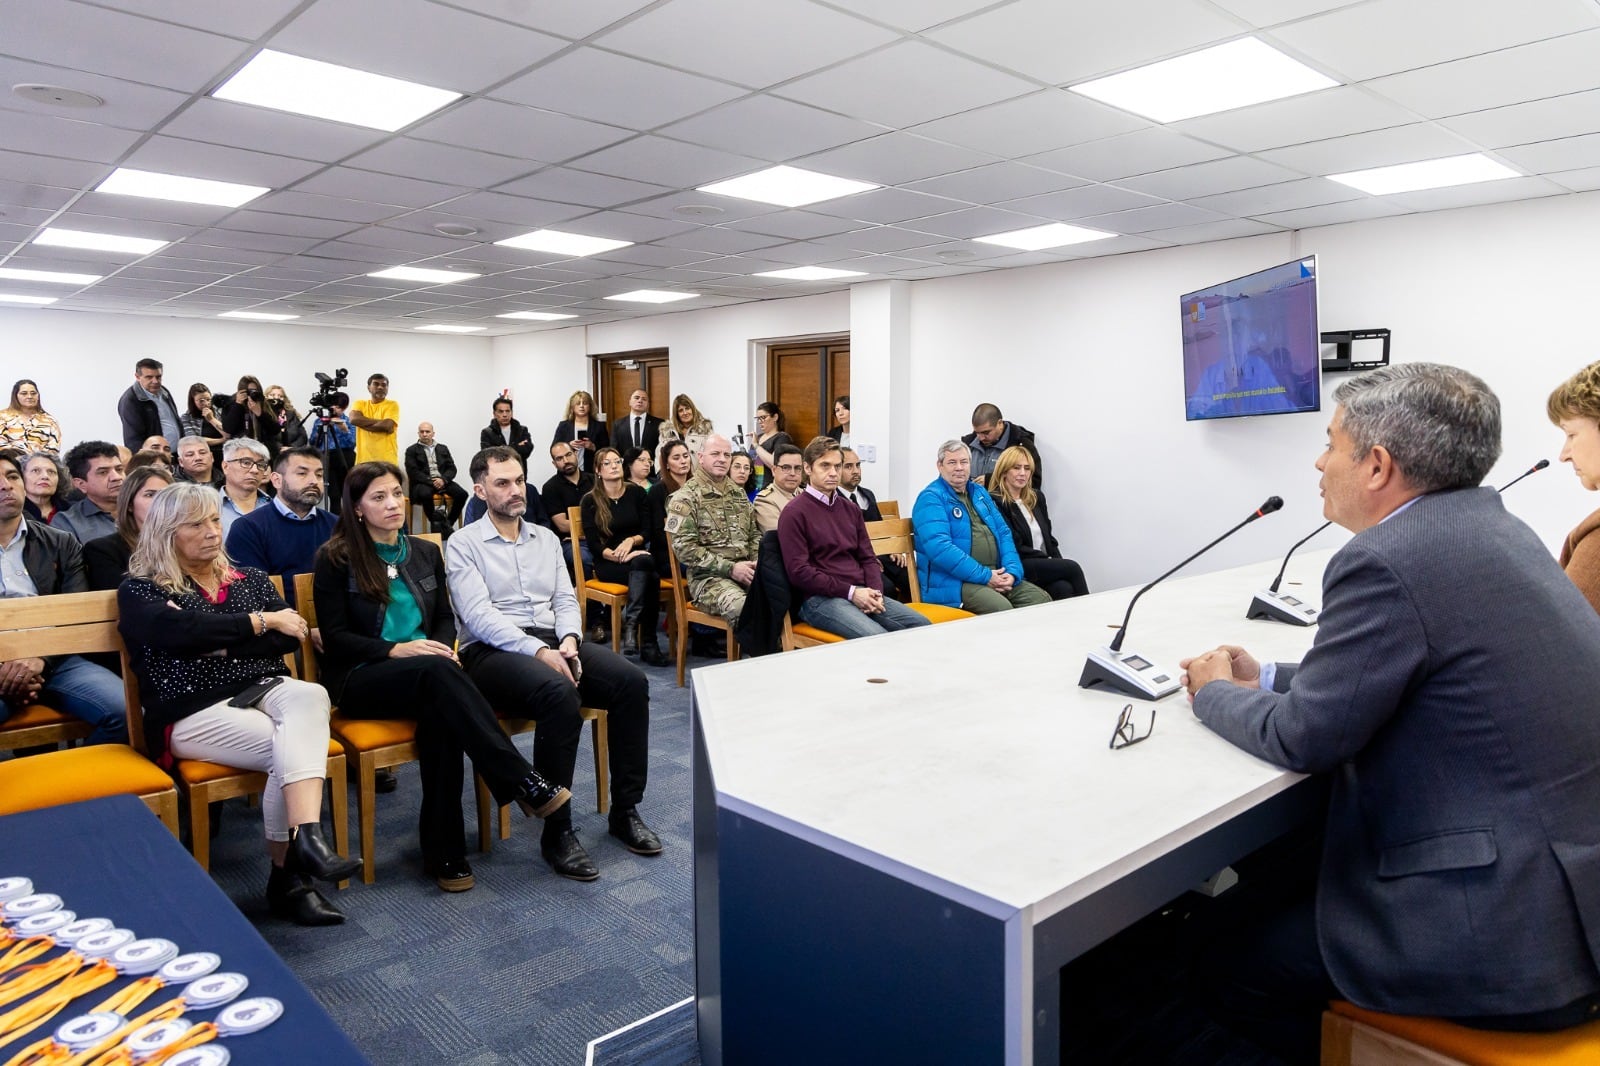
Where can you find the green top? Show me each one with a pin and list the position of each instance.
(985, 548)
(403, 620)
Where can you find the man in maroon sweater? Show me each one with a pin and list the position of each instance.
(828, 555)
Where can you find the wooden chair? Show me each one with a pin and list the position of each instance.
(74, 624)
(805, 635)
(684, 612)
(893, 536)
(889, 508)
(206, 783)
(600, 737)
(590, 589)
(1355, 1037)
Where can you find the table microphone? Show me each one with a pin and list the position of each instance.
(1131, 673)
(1534, 469)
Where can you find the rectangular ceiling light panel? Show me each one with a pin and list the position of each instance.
(126, 182)
(301, 86)
(1221, 78)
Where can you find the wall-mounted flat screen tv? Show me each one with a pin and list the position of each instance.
(1251, 346)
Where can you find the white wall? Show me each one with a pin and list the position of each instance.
(84, 361)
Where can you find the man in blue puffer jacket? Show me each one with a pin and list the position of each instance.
(965, 555)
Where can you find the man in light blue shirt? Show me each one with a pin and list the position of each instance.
(244, 463)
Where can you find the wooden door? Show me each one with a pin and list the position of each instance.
(803, 379)
(619, 373)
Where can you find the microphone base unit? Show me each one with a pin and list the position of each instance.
(1281, 607)
(1128, 673)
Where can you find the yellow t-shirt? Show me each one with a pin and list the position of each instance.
(378, 447)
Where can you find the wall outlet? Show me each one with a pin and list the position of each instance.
(868, 452)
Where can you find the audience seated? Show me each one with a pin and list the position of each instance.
(48, 484)
(97, 471)
(675, 463)
(521, 643)
(149, 457)
(282, 536)
(714, 533)
(565, 488)
(147, 409)
(157, 443)
(687, 424)
(388, 637)
(105, 559)
(25, 425)
(503, 431)
(788, 473)
(991, 434)
(431, 471)
(742, 472)
(580, 428)
(640, 467)
(636, 427)
(965, 557)
(896, 581)
(617, 524)
(245, 463)
(1575, 408)
(36, 560)
(828, 555)
(198, 463)
(1011, 486)
(207, 642)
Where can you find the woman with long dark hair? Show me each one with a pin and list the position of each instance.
(769, 434)
(617, 523)
(640, 467)
(675, 464)
(388, 639)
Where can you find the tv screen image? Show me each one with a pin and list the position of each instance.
(1251, 346)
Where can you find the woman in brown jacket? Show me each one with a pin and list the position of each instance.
(1575, 407)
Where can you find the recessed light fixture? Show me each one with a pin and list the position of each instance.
(433, 277)
(653, 296)
(810, 274)
(443, 328)
(257, 316)
(787, 187)
(1221, 78)
(1037, 238)
(301, 86)
(1428, 174)
(98, 242)
(126, 182)
(48, 277)
(455, 229)
(536, 316)
(560, 243)
(698, 210)
(10, 298)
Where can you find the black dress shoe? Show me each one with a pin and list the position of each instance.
(651, 655)
(452, 875)
(538, 798)
(385, 781)
(310, 854)
(629, 828)
(290, 896)
(567, 857)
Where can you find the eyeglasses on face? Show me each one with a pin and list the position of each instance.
(790, 468)
(249, 464)
(1125, 734)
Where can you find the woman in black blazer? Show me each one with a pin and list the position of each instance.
(581, 428)
(388, 639)
(1012, 487)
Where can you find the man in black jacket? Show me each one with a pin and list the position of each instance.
(992, 434)
(506, 432)
(147, 409)
(36, 560)
(638, 428)
(431, 471)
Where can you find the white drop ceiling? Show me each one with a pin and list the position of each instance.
(601, 116)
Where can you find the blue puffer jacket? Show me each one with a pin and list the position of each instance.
(944, 542)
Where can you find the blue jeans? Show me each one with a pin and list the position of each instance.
(84, 690)
(835, 615)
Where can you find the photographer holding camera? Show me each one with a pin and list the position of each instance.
(291, 430)
(247, 415)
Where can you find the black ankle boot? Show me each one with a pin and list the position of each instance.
(650, 653)
(538, 798)
(310, 854)
(630, 638)
(290, 896)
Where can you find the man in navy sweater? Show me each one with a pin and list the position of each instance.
(828, 555)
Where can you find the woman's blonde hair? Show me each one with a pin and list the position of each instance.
(572, 401)
(155, 557)
(996, 482)
(682, 400)
(1577, 397)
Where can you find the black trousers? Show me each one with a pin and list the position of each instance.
(649, 600)
(452, 719)
(520, 686)
(1061, 578)
(422, 494)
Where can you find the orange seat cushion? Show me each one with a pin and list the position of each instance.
(811, 632)
(200, 772)
(938, 612)
(611, 588)
(56, 777)
(1579, 1046)
(37, 714)
(368, 734)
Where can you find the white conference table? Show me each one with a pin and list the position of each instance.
(897, 869)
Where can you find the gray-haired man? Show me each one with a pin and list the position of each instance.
(245, 464)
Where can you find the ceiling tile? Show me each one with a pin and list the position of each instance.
(1139, 152)
(1147, 219)
(718, 239)
(265, 222)
(881, 206)
(257, 242)
(263, 130)
(734, 39)
(349, 184)
(43, 170)
(127, 104)
(580, 187)
(1537, 120)
(1380, 148)
(1567, 153)
(449, 165)
(53, 135)
(140, 209)
(574, 20)
(912, 14)
(16, 194)
(520, 211)
(1083, 201)
(1335, 112)
(976, 222)
(517, 130)
(877, 239)
(1483, 192)
(894, 159)
(118, 45)
(997, 181)
(403, 38)
(326, 207)
(796, 225)
(667, 161)
(1203, 179)
(905, 84)
(1584, 180)
(171, 155)
(1387, 36)
(1272, 12)
(726, 209)
(1334, 214)
(248, 21)
(652, 255)
(770, 129)
(1308, 192)
(1029, 36)
(622, 226)
(1227, 230)
(1028, 125)
(627, 92)
(1528, 72)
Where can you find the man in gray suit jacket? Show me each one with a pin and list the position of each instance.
(1450, 695)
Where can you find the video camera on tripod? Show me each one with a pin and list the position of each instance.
(328, 388)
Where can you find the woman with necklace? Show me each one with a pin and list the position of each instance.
(49, 489)
(616, 523)
(388, 639)
(25, 425)
(207, 641)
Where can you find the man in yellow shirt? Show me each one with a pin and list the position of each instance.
(375, 421)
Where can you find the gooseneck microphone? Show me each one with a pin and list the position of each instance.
(1131, 673)
(1285, 566)
(1534, 469)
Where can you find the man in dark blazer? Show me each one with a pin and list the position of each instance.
(503, 431)
(896, 581)
(430, 470)
(638, 428)
(1449, 696)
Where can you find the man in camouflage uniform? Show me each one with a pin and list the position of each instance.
(714, 533)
